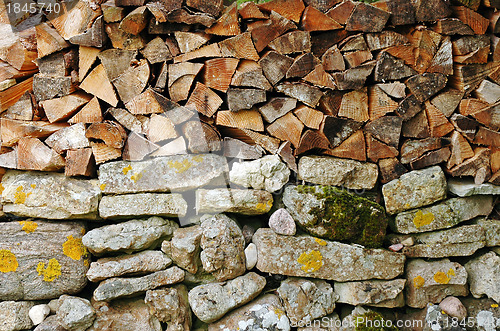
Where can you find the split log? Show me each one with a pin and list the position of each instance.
(74, 20)
(488, 91)
(386, 129)
(250, 74)
(354, 105)
(32, 154)
(22, 110)
(471, 49)
(94, 36)
(97, 83)
(9, 72)
(13, 130)
(62, 108)
(90, 113)
(431, 158)
(426, 43)
(9, 160)
(319, 77)
(311, 118)
(357, 58)
(275, 66)
(201, 137)
(438, 123)
(240, 47)
(405, 53)
(473, 165)
(117, 61)
(482, 112)
(417, 126)
(304, 93)
(408, 108)
(122, 40)
(235, 148)
(447, 101)
(442, 61)
(103, 153)
(329, 104)
(333, 60)
(411, 150)
(72, 137)
(354, 147)
(48, 40)
(86, 58)
(269, 143)
(286, 153)
(212, 8)
(208, 51)
(322, 41)
(394, 90)
(379, 103)
(460, 150)
(270, 30)
(339, 129)
(367, 18)
(126, 119)
(342, 12)
(190, 41)
(289, 9)
(249, 10)
(376, 149)
(389, 67)
(287, 127)
(188, 17)
(48, 87)
(354, 43)
(219, 72)
(11, 95)
(292, 42)
(495, 160)
(111, 12)
(156, 51)
(80, 162)
(133, 81)
(111, 133)
(315, 20)
(135, 21)
(478, 23)
(302, 65)
(238, 99)
(175, 147)
(227, 24)
(180, 79)
(426, 85)
(243, 119)
(312, 140)
(137, 147)
(204, 100)
(467, 77)
(390, 169)
(465, 125)
(485, 136)
(385, 39)
(353, 78)
(148, 102)
(277, 107)
(431, 10)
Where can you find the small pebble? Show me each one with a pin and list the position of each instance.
(453, 307)
(282, 222)
(38, 313)
(396, 247)
(251, 256)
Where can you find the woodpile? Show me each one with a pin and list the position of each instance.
(404, 84)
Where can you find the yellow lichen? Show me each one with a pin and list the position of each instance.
(33, 185)
(198, 158)
(102, 187)
(311, 261)
(20, 195)
(494, 305)
(74, 248)
(451, 272)
(320, 241)
(1, 188)
(127, 169)
(135, 177)
(418, 281)
(441, 278)
(180, 167)
(8, 261)
(278, 312)
(52, 272)
(28, 226)
(422, 219)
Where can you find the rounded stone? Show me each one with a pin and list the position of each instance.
(282, 222)
(251, 256)
(38, 313)
(453, 307)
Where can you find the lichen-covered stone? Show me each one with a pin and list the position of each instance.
(306, 300)
(334, 214)
(306, 256)
(492, 231)
(364, 319)
(163, 174)
(49, 195)
(114, 288)
(431, 282)
(246, 202)
(326, 170)
(484, 276)
(415, 189)
(465, 187)
(14, 315)
(41, 260)
(442, 215)
(128, 237)
(268, 173)
(133, 264)
(143, 204)
(380, 293)
(184, 247)
(170, 305)
(75, 314)
(263, 313)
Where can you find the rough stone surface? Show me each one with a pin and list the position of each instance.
(415, 189)
(334, 214)
(251, 256)
(282, 222)
(264, 313)
(326, 170)
(267, 173)
(246, 202)
(163, 174)
(130, 236)
(306, 300)
(212, 301)
(142, 262)
(483, 313)
(74, 313)
(327, 323)
(380, 293)
(223, 247)
(170, 305)
(41, 260)
(114, 288)
(72, 137)
(38, 313)
(184, 247)
(453, 307)
(442, 215)
(492, 231)
(431, 282)
(51, 323)
(143, 204)
(484, 276)
(14, 315)
(49, 195)
(306, 256)
(465, 187)
(437, 320)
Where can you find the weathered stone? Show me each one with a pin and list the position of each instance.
(143, 204)
(431, 282)
(415, 189)
(267, 173)
(459, 241)
(128, 237)
(163, 174)
(492, 231)
(306, 300)
(74, 313)
(307, 256)
(464, 187)
(282, 222)
(484, 313)
(453, 307)
(124, 315)
(114, 288)
(251, 256)
(14, 315)
(326, 170)
(38, 313)
(49, 195)
(139, 263)
(223, 247)
(264, 313)
(362, 318)
(170, 305)
(184, 248)
(484, 276)
(334, 214)
(442, 215)
(246, 202)
(437, 320)
(380, 293)
(72, 137)
(41, 260)
(210, 302)
(51, 323)
(331, 322)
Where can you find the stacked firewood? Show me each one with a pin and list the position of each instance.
(402, 83)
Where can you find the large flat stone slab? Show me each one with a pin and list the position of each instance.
(380, 293)
(465, 187)
(268, 173)
(484, 276)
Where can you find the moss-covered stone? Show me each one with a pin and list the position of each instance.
(372, 321)
(331, 213)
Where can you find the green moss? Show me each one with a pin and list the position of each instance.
(373, 316)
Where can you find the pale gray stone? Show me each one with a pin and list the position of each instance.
(492, 231)
(263, 313)
(306, 300)
(41, 260)
(436, 320)
(212, 301)
(326, 170)
(72, 137)
(163, 174)
(442, 215)
(38, 313)
(431, 282)
(184, 248)
(453, 307)
(331, 322)
(75, 314)
(128, 237)
(380, 293)
(277, 107)
(51, 323)
(483, 313)
(49, 195)
(282, 222)
(484, 276)
(268, 173)
(251, 256)
(464, 187)
(246, 202)
(306, 256)
(14, 315)
(133, 264)
(114, 288)
(415, 189)
(142, 204)
(170, 305)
